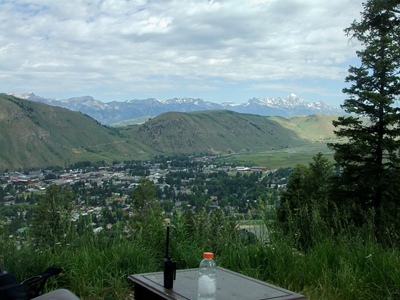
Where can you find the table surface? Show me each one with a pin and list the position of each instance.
(230, 285)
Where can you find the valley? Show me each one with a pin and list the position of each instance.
(37, 135)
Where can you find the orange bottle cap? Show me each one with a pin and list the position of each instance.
(208, 255)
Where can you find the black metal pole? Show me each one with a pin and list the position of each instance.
(169, 266)
(167, 243)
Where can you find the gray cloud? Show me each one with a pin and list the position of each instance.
(125, 47)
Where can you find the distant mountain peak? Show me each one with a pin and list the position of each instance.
(184, 100)
(143, 100)
(115, 111)
(22, 96)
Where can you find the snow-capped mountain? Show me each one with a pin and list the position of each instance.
(115, 111)
(292, 105)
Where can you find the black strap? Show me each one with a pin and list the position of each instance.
(12, 289)
(49, 272)
(10, 280)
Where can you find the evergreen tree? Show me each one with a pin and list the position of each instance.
(369, 159)
(51, 222)
(144, 194)
(305, 212)
(307, 185)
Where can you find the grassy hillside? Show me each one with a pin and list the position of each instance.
(38, 135)
(316, 130)
(315, 127)
(217, 131)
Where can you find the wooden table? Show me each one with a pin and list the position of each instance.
(230, 285)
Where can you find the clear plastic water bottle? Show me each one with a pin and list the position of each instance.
(207, 278)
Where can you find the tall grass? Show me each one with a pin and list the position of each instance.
(339, 264)
(93, 267)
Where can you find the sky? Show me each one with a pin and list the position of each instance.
(220, 51)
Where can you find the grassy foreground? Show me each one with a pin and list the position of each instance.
(339, 266)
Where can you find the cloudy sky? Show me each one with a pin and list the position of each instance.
(221, 50)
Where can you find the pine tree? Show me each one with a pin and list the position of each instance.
(144, 194)
(307, 185)
(369, 159)
(51, 223)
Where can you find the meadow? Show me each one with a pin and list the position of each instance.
(280, 158)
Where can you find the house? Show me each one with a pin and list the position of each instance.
(214, 199)
(9, 198)
(259, 169)
(62, 182)
(33, 181)
(242, 169)
(213, 207)
(119, 199)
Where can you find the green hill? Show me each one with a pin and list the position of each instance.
(218, 131)
(38, 135)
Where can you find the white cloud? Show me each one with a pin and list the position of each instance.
(129, 47)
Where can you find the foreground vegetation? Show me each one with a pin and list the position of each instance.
(343, 263)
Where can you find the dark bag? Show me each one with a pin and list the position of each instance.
(12, 289)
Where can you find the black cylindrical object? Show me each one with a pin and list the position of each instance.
(169, 266)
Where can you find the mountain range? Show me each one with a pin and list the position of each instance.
(116, 112)
(34, 134)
